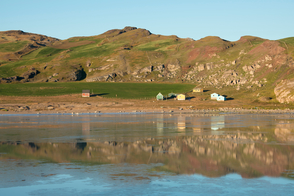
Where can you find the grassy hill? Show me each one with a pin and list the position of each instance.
(251, 64)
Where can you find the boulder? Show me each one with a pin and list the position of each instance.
(159, 68)
(148, 69)
(201, 67)
(88, 63)
(173, 68)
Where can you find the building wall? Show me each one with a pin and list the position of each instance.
(198, 90)
(221, 98)
(180, 97)
(85, 94)
(214, 96)
(160, 97)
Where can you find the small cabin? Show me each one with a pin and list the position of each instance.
(197, 90)
(180, 97)
(214, 96)
(221, 98)
(85, 93)
(160, 96)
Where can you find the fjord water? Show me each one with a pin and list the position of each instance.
(147, 154)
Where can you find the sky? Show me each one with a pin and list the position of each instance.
(227, 19)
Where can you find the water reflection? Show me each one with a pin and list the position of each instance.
(207, 155)
(217, 122)
(284, 131)
(86, 126)
(160, 124)
(213, 146)
(181, 123)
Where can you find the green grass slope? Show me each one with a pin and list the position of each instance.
(111, 90)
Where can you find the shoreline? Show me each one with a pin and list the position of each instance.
(75, 104)
(148, 111)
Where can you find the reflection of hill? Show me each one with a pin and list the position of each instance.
(285, 132)
(209, 155)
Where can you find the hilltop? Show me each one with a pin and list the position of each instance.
(262, 69)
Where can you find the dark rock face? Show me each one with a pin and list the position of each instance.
(77, 75)
(30, 74)
(128, 28)
(11, 79)
(25, 77)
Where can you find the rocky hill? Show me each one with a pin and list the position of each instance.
(136, 55)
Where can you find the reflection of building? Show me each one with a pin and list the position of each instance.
(86, 126)
(160, 124)
(217, 122)
(198, 124)
(181, 123)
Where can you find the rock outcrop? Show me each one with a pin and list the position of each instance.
(284, 91)
(10, 79)
(29, 75)
(25, 77)
(77, 75)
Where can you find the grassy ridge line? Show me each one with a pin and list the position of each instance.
(122, 90)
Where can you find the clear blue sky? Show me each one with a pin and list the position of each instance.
(228, 19)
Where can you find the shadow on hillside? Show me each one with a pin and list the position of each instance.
(205, 91)
(173, 97)
(189, 98)
(101, 94)
(228, 98)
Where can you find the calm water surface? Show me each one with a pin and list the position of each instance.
(147, 154)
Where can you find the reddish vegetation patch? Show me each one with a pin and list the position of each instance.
(193, 55)
(242, 40)
(204, 52)
(184, 69)
(209, 51)
(280, 59)
(269, 47)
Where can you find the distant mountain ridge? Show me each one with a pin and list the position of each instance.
(136, 55)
